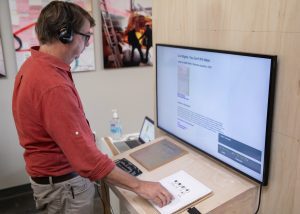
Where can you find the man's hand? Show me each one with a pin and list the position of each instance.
(152, 191)
(155, 192)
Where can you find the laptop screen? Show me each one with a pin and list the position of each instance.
(147, 131)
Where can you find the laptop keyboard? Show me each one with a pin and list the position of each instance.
(133, 143)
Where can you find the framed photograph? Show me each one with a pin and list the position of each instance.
(126, 33)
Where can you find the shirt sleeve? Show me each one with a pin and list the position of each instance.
(65, 122)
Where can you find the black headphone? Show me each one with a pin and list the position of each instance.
(65, 34)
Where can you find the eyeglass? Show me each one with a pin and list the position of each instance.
(86, 36)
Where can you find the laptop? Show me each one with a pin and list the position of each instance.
(146, 135)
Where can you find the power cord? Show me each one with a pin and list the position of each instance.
(259, 199)
(97, 189)
(102, 202)
(193, 210)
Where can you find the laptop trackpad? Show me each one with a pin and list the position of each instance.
(122, 146)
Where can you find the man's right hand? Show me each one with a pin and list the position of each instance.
(152, 191)
(155, 192)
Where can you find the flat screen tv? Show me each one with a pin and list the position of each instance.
(219, 102)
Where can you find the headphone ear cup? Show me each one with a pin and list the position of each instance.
(65, 34)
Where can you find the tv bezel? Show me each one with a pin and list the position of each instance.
(270, 108)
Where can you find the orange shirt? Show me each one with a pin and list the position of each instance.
(51, 123)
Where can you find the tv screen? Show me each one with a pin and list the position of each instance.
(220, 102)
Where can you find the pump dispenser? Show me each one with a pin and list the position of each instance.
(115, 126)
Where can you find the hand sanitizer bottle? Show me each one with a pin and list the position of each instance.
(115, 126)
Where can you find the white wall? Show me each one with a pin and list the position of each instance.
(130, 90)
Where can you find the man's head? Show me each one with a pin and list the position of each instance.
(60, 21)
(63, 30)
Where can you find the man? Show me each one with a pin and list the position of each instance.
(135, 43)
(60, 151)
(147, 40)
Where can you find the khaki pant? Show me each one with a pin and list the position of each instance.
(74, 196)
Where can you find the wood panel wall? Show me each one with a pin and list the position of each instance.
(258, 26)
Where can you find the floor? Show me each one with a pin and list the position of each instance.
(23, 203)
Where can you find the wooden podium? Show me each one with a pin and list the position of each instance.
(232, 192)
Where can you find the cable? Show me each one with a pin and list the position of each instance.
(99, 185)
(97, 188)
(193, 210)
(259, 199)
(110, 207)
